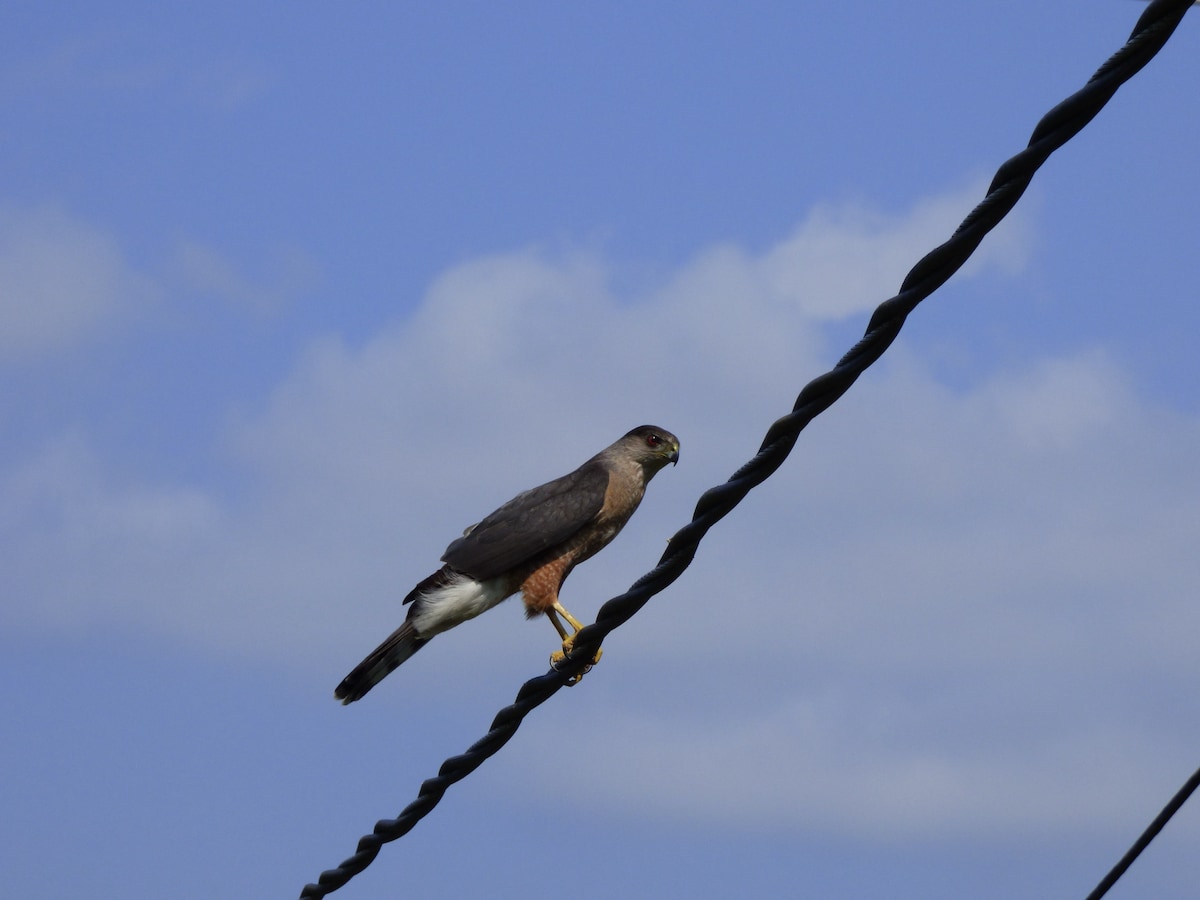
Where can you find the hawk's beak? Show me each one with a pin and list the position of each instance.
(673, 456)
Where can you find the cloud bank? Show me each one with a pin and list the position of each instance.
(933, 614)
(61, 282)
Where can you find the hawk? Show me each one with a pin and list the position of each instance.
(530, 544)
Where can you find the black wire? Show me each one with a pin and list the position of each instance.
(1147, 836)
(1057, 127)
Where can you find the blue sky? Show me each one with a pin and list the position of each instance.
(287, 299)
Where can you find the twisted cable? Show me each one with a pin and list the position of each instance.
(1058, 126)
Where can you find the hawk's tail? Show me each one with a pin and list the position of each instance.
(402, 644)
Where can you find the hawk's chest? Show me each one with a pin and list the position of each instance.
(541, 581)
(621, 500)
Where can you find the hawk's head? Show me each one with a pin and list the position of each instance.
(651, 446)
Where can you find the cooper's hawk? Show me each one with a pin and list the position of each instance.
(530, 544)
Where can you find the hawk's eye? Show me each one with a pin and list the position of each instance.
(653, 440)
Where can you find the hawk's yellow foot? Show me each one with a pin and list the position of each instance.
(568, 640)
(557, 657)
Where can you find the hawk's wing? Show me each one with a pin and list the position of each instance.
(530, 523)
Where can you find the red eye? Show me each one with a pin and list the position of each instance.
(653, 440)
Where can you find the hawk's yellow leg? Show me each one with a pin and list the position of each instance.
(567, 639)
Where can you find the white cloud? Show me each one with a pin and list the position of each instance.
(119, 62)
(81, 546)
(201, 269)
(61, 282)
(820, 268)
(65, 282)
(837, 765)
(98, 62)
(931, 612)
(507, 340)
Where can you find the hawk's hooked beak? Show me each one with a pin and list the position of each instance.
(673, 456)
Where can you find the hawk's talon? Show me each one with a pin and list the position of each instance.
(559, 656)
(568, 641)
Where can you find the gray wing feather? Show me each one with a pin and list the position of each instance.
(530, 523)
